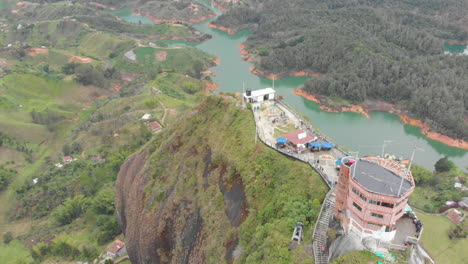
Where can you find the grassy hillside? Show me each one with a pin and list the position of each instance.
(101, 45)
(443, 249)
(59, 34)
(185, 60)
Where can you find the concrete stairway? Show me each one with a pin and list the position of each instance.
(319, 236)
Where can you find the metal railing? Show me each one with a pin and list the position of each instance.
(327, 205)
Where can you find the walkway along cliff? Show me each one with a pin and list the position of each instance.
(327, 171)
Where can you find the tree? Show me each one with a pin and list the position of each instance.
(69, 68)
(76, 147)
(103, 203)
(421, 175)
(444, 164)
(66, 149)
(71, 209)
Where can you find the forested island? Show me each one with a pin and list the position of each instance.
(367, 50)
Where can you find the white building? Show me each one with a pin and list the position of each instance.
(259, 95)
(146, 117)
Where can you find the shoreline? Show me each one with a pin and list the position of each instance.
(218, 5)
(246, 56)
(225, 29)
(379, 106)
(162, 37)
(173, 20)
(458, 42)
(209, 87)
(273, 76)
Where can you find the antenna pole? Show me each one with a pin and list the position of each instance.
(243, 92)
(355, 164)
(412, 157)
(273, 82)
(401, 185)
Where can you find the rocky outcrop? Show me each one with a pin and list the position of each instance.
(176, 205)
(198, 191)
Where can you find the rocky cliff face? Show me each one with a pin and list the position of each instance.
(196, 191)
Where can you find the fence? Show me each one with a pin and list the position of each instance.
(285, 105)
(327, 204)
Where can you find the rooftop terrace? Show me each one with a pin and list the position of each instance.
(376, 178)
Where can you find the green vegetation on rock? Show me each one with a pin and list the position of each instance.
(233, 189)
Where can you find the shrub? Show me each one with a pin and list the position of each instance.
(108, 229)
(103, 203)
(7, 237)
(444, 164)
(71, 209)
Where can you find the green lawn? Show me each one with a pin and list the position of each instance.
(422, 198)
(101, 45)
(435, 239)
(14, 253)
(180, 60)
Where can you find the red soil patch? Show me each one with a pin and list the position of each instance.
(217, 5)
(101, 5)
(116, 87)
(20, 5)
(200, 19)
(210, 86)
(216, 61)
(161, 55)
(272, 76)
(350, 108)
(165, 37)
(458, 42)
(4, 62)
(33, 52)
(242, 48)
(128, 76)
(228, 30)
(78, 59)
(389, 108)
(173, 20)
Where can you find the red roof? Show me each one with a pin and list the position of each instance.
(115, 246)
(293, 137)
(455, 216)
(155, 126)
(68, 159)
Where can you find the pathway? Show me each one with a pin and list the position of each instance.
(272, 120)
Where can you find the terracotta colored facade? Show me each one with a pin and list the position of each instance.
(365, 211)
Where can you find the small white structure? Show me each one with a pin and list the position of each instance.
(259, 95)
(146, 117)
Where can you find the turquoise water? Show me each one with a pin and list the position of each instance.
(455, 48)
(350, 130)
(127, 15)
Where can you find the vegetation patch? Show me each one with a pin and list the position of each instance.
(443, 249)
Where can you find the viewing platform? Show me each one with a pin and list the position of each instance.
(275, 120)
